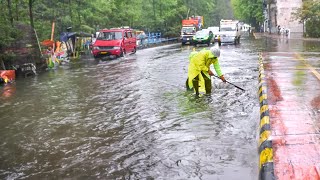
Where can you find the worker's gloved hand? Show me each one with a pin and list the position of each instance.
(222, 78)
(210, 72)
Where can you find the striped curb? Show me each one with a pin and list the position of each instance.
(266, 170)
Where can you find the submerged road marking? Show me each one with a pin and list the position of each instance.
(266, 156)
(312, 69)
(264, 136)
(264, 120)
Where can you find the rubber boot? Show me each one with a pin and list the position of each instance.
(208, 85)
(195, 84)
(187, 85)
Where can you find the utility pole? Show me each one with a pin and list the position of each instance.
(269, 16)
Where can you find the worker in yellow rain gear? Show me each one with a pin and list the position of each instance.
(199, 73)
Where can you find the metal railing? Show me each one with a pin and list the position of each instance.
(153, 39)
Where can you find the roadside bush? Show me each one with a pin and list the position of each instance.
(312, 28)
(309, 13)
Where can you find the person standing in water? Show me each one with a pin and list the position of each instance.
(199, 73)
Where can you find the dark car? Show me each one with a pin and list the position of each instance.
(204, 36)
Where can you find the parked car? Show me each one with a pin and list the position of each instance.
(114, 42)
(202, 37)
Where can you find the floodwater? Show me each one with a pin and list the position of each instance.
(131, 118)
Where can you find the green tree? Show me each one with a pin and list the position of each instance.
(90, 16)
(309, 14)
(250, 11)
(222, 10)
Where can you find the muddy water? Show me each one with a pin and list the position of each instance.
(131, 118)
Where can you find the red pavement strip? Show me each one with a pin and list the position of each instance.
(287, 119)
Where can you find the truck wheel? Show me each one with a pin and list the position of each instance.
(134, 50)
(121, 53)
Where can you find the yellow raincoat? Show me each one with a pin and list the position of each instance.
(200, 62)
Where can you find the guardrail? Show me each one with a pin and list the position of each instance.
(153, 39)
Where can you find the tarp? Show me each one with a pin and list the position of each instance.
(189, 22)
(64, 36)
(48, 43)
(7, 75)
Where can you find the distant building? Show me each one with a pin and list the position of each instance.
(285, 8)
(279, 13)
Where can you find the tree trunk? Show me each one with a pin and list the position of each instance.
(160, 3)
(10, 12)
(154, 12)
(31, 13)
(17, 10)
(79, 14)
(2, 65)
(70, 11)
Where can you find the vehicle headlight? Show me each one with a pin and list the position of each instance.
(206, 37)
(193, 37)
(116, 47)
(96, 48)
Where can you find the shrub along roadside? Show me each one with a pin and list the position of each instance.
(310, 15)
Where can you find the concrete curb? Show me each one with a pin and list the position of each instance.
(266, 169)
(276, 36)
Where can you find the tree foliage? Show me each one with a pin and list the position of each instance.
(83, 15)
(223, 10)
(310, 13)
(90, 16)
(250, 11)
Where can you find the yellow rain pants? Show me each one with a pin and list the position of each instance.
(200, 62)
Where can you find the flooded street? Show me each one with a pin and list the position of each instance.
(131, 118)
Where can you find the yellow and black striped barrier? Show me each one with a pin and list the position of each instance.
(266, 169)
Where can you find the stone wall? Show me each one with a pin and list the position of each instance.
(284, 17)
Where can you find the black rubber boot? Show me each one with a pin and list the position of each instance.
(195, 84)
(208, 85)
(187, 85)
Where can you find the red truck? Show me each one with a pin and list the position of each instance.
(189, 28)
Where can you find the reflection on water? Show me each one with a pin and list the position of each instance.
(8, 90)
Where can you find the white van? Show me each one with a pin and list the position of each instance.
(230, 31)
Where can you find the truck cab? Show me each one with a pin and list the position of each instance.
(189, 28)
(187, 33)
(230, 31)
